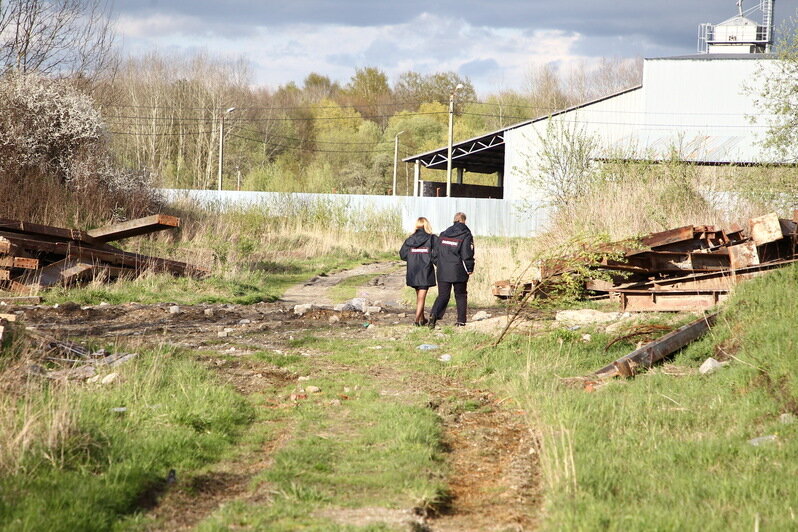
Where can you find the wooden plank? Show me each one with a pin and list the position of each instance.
(29, 300)
(5, 275)
(23, 263)
(60, 272)
(655, 351)
(8, 317)
(136, 261)
(140, 226)
(28, 228)
(21, 288)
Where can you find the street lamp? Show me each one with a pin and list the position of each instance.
(395, 159)
(451, 140)
(221, 145)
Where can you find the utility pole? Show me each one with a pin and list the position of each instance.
(395, 160)
(451, 141)
(221, 145)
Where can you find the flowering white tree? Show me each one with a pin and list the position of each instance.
(49, 128)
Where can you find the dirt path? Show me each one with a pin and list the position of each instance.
(385, 289)
(493, 485)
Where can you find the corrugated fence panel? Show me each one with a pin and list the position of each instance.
(486, 217)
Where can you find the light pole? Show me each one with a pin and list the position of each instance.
(395, 160)
(221, 145)
(451, 140)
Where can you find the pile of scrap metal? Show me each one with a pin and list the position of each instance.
(35, 256)
(694, 267)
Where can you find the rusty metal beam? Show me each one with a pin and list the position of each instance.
(114, 257)
(27, 228)
(670, 300)
(140, 226)
(655, 351)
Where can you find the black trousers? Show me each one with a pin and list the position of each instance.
(460, 298)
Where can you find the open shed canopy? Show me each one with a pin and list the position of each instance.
(482, 155)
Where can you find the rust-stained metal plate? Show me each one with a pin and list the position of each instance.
(671, 301)
(743, 255)
(765, 229)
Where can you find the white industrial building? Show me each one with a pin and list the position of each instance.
(700, 108)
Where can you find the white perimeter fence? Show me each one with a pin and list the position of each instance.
(486, 217)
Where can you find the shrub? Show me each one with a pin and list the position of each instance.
(55, 164)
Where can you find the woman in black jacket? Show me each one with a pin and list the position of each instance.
(417, 252)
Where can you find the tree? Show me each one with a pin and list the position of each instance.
(609, 76)
(62, 37)
(47, 125)
(317, 87)
(368, 92)
(369, 84)
(779, 99)
(563, 168)
(414, 89)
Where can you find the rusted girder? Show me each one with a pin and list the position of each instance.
(646, 356)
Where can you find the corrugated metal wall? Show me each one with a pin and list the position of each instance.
(486, 217)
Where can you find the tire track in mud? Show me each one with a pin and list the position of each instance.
(494, 479)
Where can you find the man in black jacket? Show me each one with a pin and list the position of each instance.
(454, 256)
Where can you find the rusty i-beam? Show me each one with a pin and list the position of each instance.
(655, 351)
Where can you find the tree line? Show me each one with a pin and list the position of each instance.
(165, 115)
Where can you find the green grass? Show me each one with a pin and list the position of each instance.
(660, 451)
(663, 451)
(266, 283)
(354, 450)
(105, 465)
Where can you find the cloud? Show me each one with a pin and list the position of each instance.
(666, 24)
(496, 44)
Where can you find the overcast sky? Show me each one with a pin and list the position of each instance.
(493, 42)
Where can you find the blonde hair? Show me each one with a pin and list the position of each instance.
(423, 223)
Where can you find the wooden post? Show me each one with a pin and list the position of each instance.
(417, 179)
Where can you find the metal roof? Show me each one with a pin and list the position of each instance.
(485, 154)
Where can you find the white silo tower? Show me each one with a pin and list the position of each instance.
(739, 34)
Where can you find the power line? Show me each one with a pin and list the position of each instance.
(279, 119)
(268, 107)
(300, 148)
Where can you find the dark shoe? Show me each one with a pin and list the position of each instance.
(420, 323)
(432, 322)
(459, 324)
